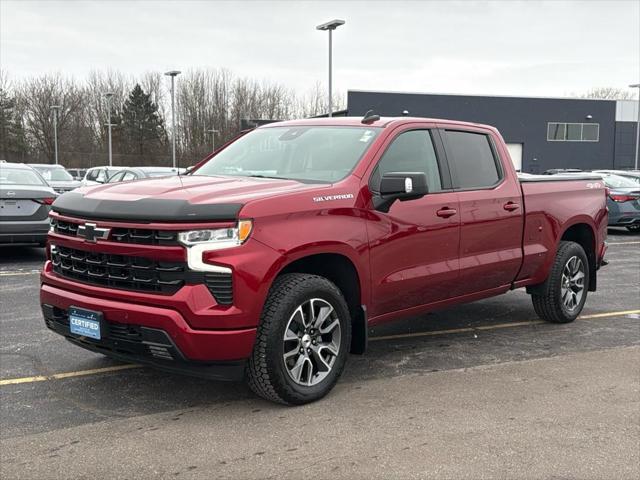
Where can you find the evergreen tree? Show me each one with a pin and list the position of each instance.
(142, 130)
(12, 138)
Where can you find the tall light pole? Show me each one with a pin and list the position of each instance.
(637, 85)
(173, 74)
(109, 97)
(213, 132)
(330, 27)
(55, 109)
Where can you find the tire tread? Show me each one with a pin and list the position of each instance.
(259, 378)
(547, 304)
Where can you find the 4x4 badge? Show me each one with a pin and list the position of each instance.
(91, 232)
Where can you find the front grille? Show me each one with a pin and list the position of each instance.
(142, 236)
(118, 271)
(221, 287)
(64, 228)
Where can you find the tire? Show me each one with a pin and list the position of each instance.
(634, 228)
(287, 311)
(551, 303)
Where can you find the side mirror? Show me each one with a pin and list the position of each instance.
(401, 186)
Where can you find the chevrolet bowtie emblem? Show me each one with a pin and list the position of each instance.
(91, 233)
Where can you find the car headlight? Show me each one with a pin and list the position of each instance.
(218, 238)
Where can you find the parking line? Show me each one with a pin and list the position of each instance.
(13, 274)
(60, 376)
(496, 326)
(95, 371)
(623, 243)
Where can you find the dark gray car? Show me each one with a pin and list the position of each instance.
(623, 202)
(25, 201)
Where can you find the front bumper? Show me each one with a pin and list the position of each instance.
(142, 345)
(151, 335)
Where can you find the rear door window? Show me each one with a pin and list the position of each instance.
(473, 159)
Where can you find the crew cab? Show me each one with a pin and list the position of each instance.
(272, 257)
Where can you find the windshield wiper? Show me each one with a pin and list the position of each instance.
(265, 176)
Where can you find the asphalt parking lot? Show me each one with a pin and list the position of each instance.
(483, 390)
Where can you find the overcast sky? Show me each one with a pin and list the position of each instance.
(507, 47)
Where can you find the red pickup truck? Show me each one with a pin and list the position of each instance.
(272, 258)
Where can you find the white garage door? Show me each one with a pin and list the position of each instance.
(515, 151)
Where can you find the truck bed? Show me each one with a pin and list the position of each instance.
(550, 202)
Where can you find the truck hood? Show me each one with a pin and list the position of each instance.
(179, 198)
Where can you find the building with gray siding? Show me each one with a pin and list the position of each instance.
(541, 133)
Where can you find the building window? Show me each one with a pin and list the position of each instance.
(556, 131)
(573, 132)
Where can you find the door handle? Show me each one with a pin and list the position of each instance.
(446, 212)
(511, 206)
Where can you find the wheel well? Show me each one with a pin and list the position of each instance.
(339, 270)
(582, 234)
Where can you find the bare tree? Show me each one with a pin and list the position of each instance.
(38, 95)
(206, 99)
(98, 84)
(610, 93)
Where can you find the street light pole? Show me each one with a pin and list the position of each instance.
(330, 27)
(213, 132)
(109, 97)
(55, 109)
(637, 85)
(173, 74)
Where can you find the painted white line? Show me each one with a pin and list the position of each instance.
(17, 273)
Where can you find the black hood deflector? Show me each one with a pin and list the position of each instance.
(145, 210)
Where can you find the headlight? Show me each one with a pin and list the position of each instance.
(218, 238)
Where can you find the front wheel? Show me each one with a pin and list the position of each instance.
(634, 228)
(302, 341)
(563, 294)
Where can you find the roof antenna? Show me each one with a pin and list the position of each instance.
(370, 117)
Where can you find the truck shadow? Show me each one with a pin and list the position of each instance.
(21, 254)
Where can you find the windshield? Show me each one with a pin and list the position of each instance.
(19, 176)
(54, 174)
(616, 181)
(316, 154)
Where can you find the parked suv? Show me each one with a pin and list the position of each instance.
(56, 176)
(274, 256)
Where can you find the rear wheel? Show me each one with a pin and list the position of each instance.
(302, 341)
(562, 296)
